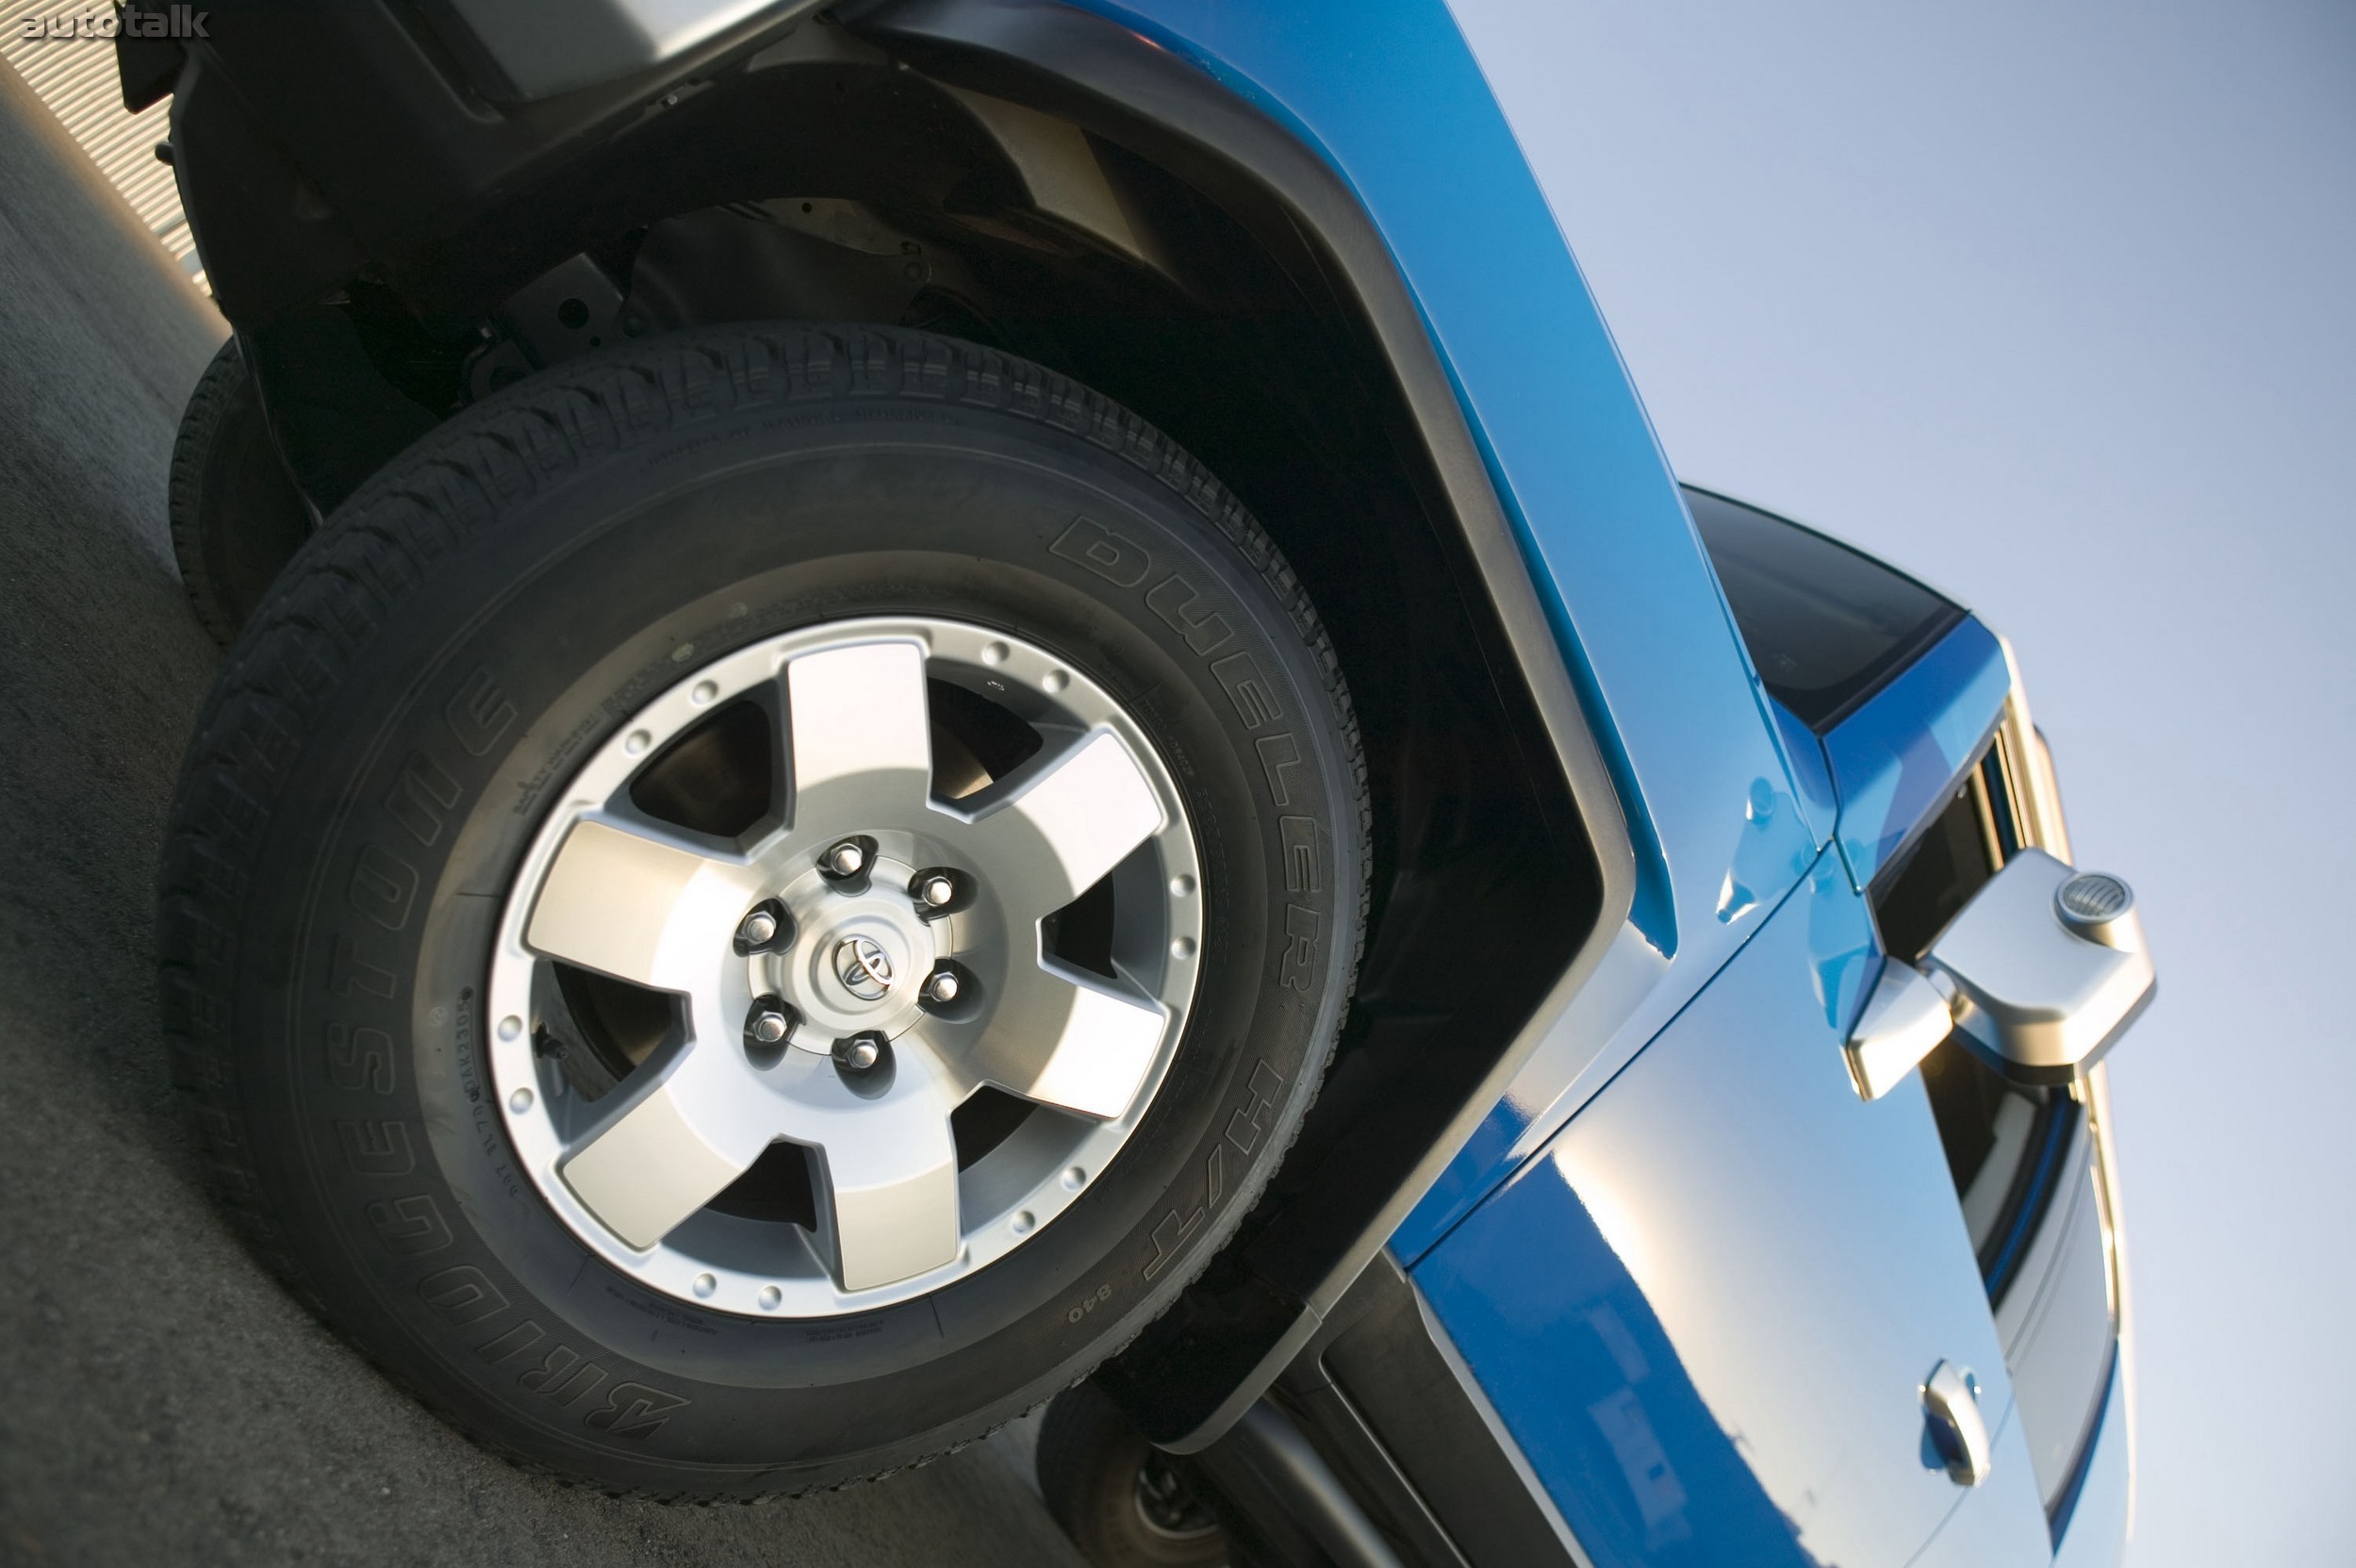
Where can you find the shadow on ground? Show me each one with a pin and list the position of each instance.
(164, 1402)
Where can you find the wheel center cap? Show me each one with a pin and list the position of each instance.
(863, 967)
(861, 958)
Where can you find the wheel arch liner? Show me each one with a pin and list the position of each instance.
(1197, 1371)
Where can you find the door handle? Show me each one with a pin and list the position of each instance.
(1959, 1433)
(2039, 976)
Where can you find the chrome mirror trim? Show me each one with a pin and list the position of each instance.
(1903, 1021)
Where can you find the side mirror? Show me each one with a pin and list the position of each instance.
(2039, 976)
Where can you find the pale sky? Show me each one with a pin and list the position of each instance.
(2055, 306)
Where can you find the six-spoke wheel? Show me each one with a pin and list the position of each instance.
(885, 929)
(756, 905)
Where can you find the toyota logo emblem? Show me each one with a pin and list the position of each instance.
(863, 967)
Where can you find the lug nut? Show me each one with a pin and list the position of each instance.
(847, 859)
(941, 986)
(769, 1022)
(765, 928)
(936, 890)
(860, 1053)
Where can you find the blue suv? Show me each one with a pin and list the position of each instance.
(937, 704)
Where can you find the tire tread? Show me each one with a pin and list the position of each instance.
(461, 478)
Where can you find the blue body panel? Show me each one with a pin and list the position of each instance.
(1636, 612)
(1701, 1302)
(1880, 774)
(1896, 759)
(1714, 812)
(1810, 770)
(1787, 1261)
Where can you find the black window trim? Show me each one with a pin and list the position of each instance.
(1901, 658)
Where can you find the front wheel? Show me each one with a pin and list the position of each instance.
(755, 905)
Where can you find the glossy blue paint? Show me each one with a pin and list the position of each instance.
(1635, 991)
(1618, 568)
(1788, 1260)
(1809, 771)
(1876, 778)
(1898, 757)
(1844, 952)
(1632, 1453)
(1702, 1306)
(1621, 1007)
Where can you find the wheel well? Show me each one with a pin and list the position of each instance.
(839, 181)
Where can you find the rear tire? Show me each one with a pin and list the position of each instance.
(237, 519)
(1123, 1503)
(424, 693)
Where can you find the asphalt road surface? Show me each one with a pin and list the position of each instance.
(161, 1401)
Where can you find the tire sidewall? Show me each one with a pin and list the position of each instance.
(519, 651)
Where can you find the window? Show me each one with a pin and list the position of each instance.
(2002, 1141)
(1825, 624)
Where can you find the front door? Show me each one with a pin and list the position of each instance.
(1708, 1310)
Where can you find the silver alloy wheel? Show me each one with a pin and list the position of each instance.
(853, 968)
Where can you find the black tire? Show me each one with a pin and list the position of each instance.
(237, 519)
(476, 619)
(1124, 1504)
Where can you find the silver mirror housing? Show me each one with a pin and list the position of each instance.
(2039, 976)
(2049, 968)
